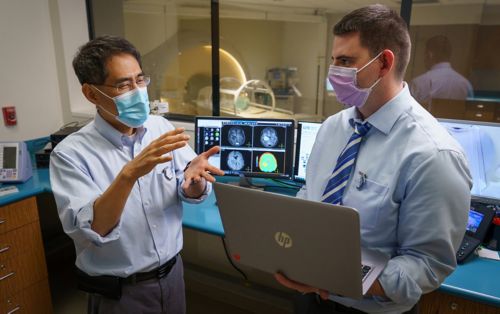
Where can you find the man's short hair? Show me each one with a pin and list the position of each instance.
(440, 47)
(89, 62)
(379, 28)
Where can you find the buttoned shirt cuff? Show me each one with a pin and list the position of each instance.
(203, 196)
(84, 219)
(398, 286)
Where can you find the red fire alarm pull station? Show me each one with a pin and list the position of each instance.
(9, 115)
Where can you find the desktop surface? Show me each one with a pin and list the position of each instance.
(477, 280)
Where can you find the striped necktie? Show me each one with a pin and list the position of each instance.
(345, 165)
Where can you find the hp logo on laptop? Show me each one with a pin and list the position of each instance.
(283, 240)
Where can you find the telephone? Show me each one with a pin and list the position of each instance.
(15, 162)
(480, 217)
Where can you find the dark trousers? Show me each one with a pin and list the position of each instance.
(311, 303)
(165, 295)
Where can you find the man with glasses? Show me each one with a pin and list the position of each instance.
(119, 183)
(390, 159)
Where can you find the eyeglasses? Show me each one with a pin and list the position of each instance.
(128, 85)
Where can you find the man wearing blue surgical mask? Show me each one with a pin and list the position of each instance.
(119, 183)
(390, 159)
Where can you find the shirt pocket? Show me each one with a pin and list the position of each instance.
(368, 199)
(166, 171)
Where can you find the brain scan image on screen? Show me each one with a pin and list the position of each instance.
(269, 137)
(268, 162)
(236, 136)
(235, 161)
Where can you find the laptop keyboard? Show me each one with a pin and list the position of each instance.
(365, 269)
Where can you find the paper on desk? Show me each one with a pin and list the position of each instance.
(8, 190)
(487, 253)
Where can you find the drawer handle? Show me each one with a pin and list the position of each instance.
(7, 276)
(480, 106)
(17, 308)
(5, 249)
(2, 221)
(479, 115)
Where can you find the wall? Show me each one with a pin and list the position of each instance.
(304, 46)
(37, 40)
(29, 77)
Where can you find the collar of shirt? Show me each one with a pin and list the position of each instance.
(441, 65)
(115, 137)
(385, 117)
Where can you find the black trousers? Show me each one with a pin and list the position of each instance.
(311, 303)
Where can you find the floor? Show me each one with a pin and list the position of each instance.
(206, 293)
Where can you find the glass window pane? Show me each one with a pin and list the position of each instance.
(174, 40)
(455, 71)
(284, 50)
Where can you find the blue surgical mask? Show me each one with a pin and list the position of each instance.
(132, 107)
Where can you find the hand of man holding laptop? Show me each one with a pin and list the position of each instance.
(375, 289)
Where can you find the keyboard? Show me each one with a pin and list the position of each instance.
(365, 269)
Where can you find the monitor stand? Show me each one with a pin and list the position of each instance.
(246, 182)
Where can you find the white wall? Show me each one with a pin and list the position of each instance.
(36, 76)
(29, 78)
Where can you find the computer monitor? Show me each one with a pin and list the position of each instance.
(306, 135)
(481, 144)
(249, 147)
(329, 87)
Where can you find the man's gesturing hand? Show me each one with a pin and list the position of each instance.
(154, 153)
(198, 171)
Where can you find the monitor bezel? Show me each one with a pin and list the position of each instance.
(485, 123)
(297, 150)
(288, 175)
(14, 145)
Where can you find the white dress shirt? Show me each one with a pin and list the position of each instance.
(413, 204)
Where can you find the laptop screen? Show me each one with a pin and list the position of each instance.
(481, 143)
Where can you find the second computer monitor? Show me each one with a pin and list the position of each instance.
(250, 147)
(481, 144)
(306, 135)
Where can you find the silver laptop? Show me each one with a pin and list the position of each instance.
(310, 242)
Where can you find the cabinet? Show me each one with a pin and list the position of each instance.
(24, 284)
(443, 303)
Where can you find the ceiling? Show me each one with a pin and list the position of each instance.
(315, 7)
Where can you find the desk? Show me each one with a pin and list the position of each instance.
(477, 280)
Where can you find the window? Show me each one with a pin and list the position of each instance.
(273, 56)
(174, 40)
(455, 71)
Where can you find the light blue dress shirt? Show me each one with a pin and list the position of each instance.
(413, 204)
(149, 232)
(441, 81)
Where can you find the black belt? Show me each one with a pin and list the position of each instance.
(111, 286)
(158, 273)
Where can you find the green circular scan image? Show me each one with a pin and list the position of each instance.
(268, 163)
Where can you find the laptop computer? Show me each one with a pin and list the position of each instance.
(311, 242)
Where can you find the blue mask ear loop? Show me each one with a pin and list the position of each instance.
(101, 107)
